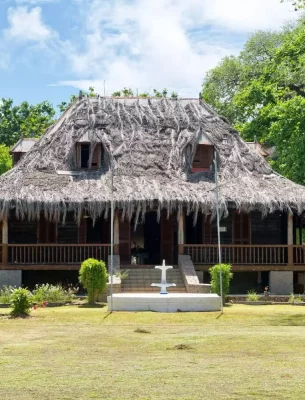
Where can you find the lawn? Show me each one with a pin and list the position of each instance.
(250, 352)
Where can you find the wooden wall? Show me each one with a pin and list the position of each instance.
(269, 230)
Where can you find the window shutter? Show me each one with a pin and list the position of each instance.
(96, 157)
(203, 157)
(82, 231)
(241, 228)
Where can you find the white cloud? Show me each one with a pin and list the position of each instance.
(34, 2)
(163, 43)
(27, 25)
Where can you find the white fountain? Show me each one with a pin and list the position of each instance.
(163, 285)
(164, 301)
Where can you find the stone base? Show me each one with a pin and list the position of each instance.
(172, 302)
(10, 278)
(281, 282)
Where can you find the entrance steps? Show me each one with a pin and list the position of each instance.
(140, 279)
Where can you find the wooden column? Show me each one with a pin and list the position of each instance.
(4, 242)
(116, 233)
(290, 237)
(181, 232)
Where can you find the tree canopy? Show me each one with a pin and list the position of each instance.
(24, 120)
(262, 93)
(5, 159)
(298, 4)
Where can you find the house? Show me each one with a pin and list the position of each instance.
(154, 158)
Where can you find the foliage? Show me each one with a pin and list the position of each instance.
(227, 276)
(252, 296)
(93, 276)
(52, 294)
(21, 302)
(63, 106)
(298, 4)
(296, 299)
(122, 274)
(24, 120)
(128, 92)
(262, 93)
(5, 159)
(6, 294)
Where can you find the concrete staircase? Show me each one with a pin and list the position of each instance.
(140, 279)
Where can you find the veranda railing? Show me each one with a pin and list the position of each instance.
(56, 253)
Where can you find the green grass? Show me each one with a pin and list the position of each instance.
(85, 353)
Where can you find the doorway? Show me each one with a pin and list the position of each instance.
(153, 241)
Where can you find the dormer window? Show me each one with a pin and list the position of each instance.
(83, 156)
(203, 158)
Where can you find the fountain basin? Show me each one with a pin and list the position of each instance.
(171, 302)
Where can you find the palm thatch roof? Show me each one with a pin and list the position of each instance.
(151, 144)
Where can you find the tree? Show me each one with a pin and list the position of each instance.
(24, 120)
(5, 159)
(128, 92)
(298, 4)
(63, 106)
(262, 92)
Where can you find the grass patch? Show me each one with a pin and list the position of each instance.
(77, 353)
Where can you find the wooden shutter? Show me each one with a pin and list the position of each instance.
(96, 157)
(82, 231)
(241, 228)
(203, 157)
(124, 236)
(167, 238)
(47, 231)
(207, 230)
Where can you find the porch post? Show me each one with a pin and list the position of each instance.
(290, 237)
(116, 233)
(181, 234)
(4, 242)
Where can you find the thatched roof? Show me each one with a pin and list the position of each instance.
(23, 145)
(151, 143)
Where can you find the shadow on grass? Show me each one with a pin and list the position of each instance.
(285, 320)
(96, 305)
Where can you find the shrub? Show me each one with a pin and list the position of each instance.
(227, 275)
(93, 276)
(6, 294)
(295, 299)
(252, 296)
(52, 294)
(21, 302)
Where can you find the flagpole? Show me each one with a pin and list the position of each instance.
(111, 234)
(218, 229)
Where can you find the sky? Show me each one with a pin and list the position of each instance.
(50, 49)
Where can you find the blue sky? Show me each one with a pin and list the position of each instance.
(52, 48)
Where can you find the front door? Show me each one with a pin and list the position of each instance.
(124, 235)
(167, 238)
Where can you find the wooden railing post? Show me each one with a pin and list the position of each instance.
(290, 237)
(181, 232)
(4, 242)
(116, 233)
